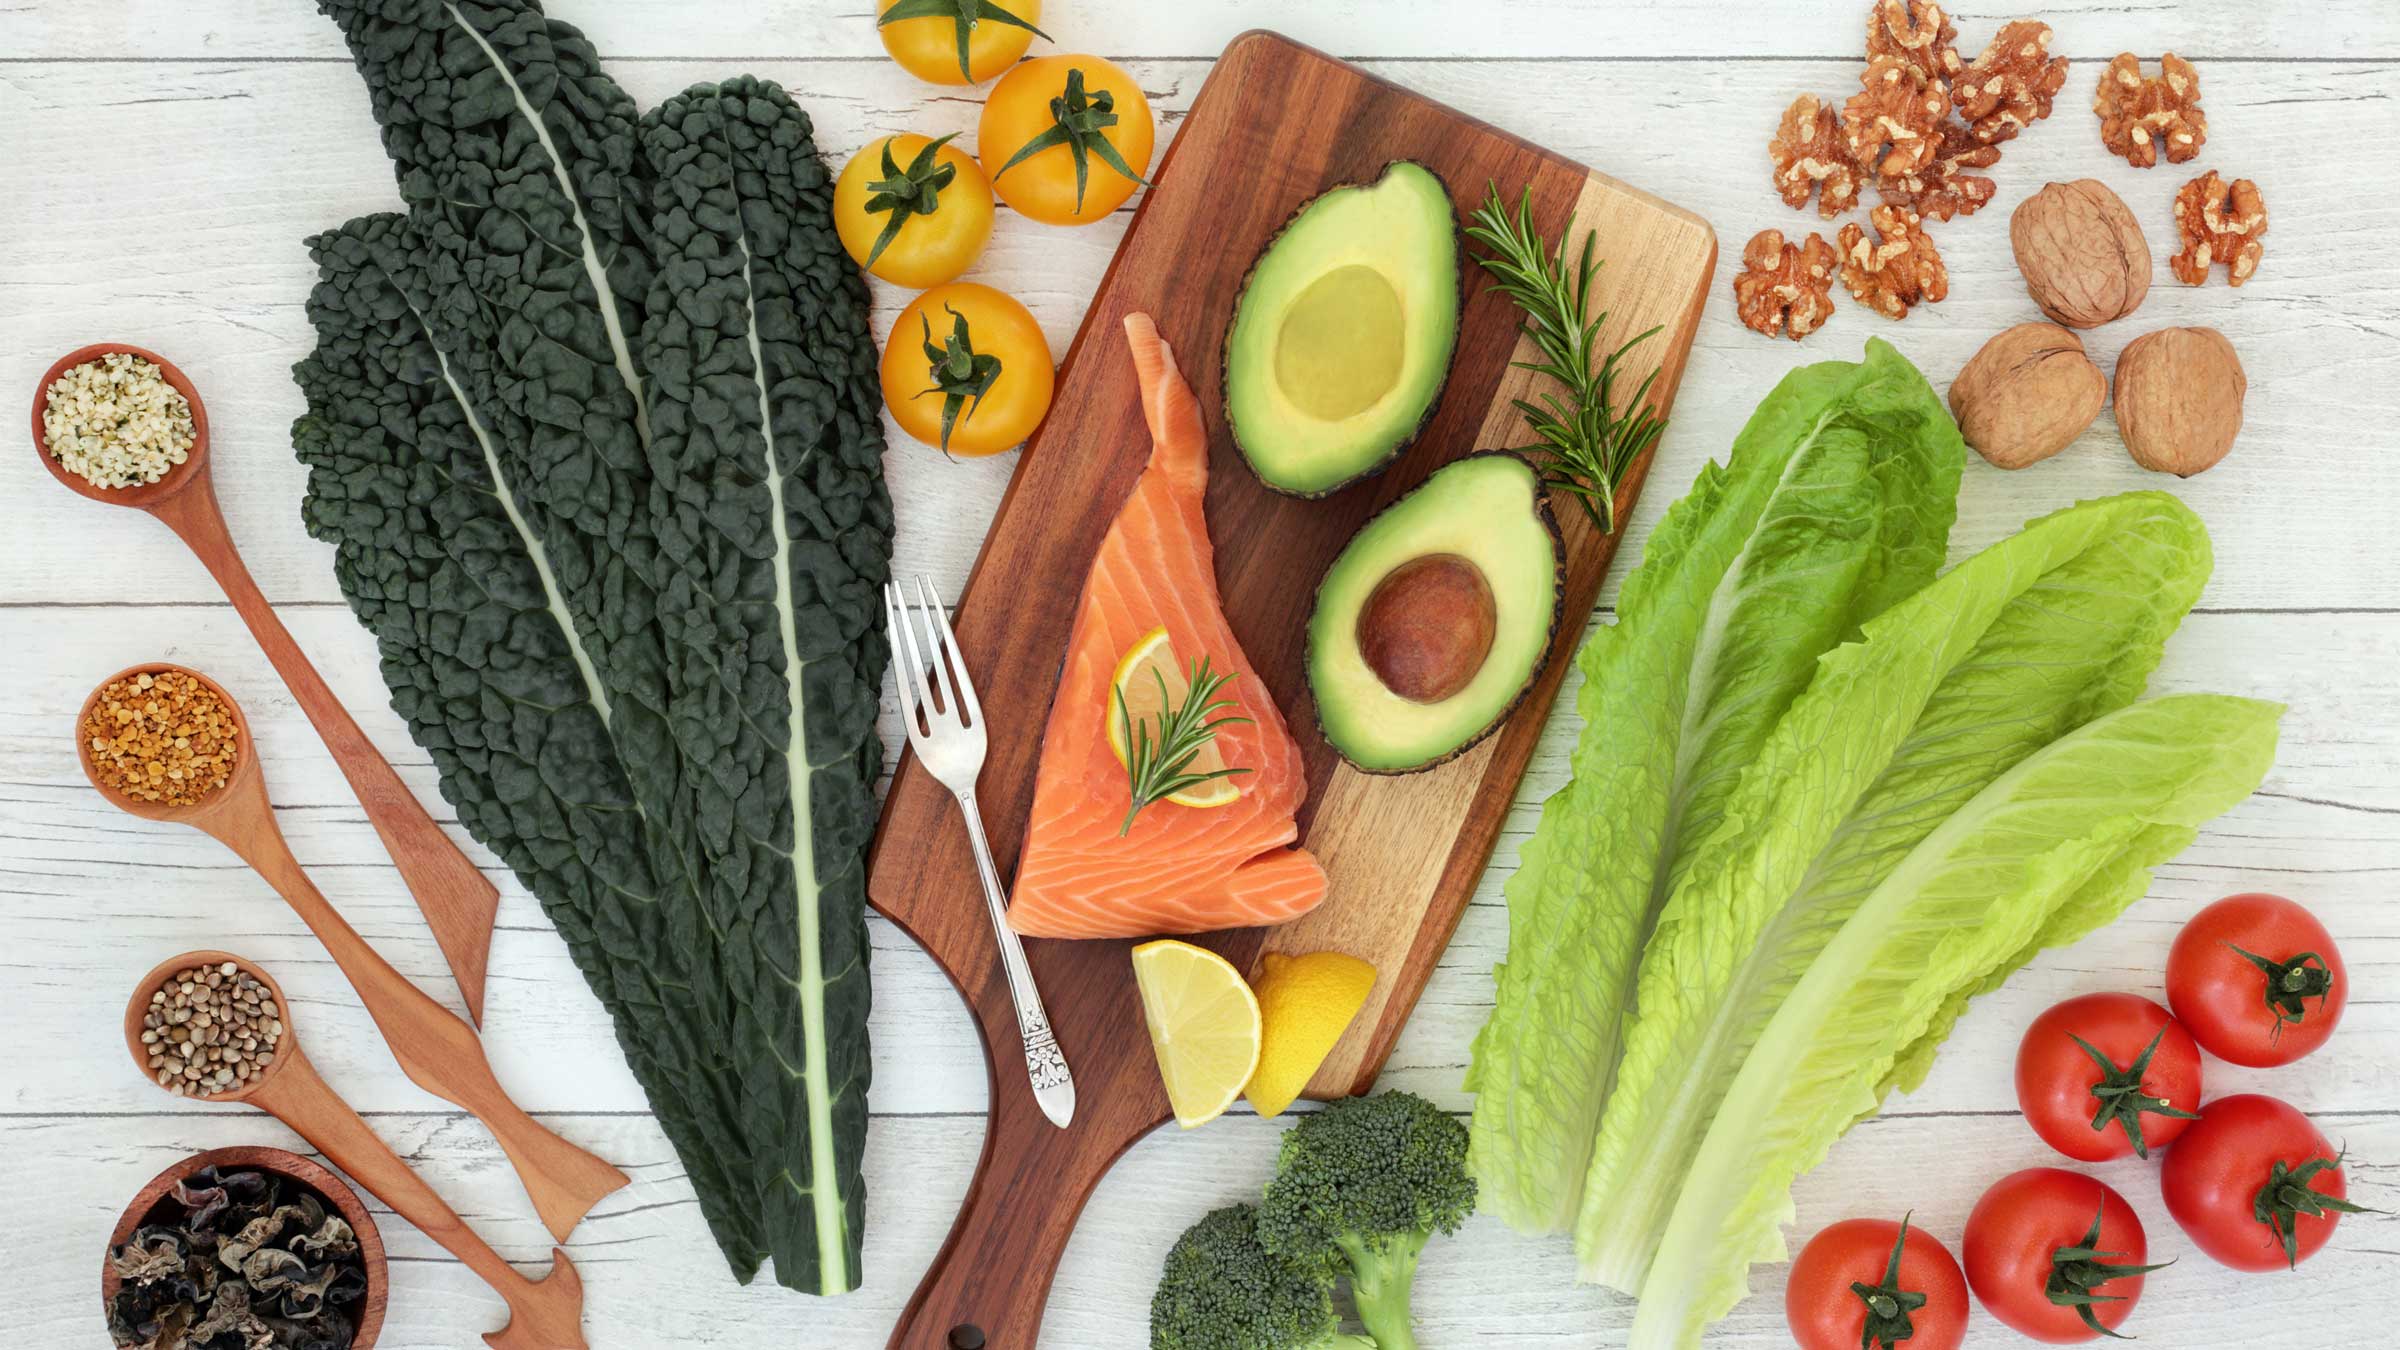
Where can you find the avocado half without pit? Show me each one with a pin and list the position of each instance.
(1437, 616)
(1341, 340)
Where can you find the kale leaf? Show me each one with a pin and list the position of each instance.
(594, 429)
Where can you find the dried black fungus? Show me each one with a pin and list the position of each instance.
(240, 1260)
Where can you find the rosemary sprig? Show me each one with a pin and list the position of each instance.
(1158, 765)
(1583, 442)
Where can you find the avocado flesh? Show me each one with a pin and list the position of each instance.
(1341, 340)
(1487, 510)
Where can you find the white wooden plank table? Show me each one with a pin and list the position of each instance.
(163, 161)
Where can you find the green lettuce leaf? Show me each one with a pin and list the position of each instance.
(2013, 648)
(2075, 829)
(1835, 502)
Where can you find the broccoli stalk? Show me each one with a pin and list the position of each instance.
(1358, 1189)
(1223, 1290)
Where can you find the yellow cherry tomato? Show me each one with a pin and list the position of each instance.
(939, 202)
(1093, 130)
(966, 369)
(957, 41)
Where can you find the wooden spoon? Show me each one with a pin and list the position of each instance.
(543, 1314)
(457, 901)
(436, 1048)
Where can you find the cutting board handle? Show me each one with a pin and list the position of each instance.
(989, 1284)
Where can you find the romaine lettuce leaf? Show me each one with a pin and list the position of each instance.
(2075, 829)
(2013, 648)
(1835, 502)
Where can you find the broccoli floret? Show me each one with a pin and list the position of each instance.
(1358, 1188)
(1222, 1290)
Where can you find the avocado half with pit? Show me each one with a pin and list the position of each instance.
(1437, 616)
(1341, 340)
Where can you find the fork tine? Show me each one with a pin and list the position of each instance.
(941, 658)
(966, 682)
(904, 640)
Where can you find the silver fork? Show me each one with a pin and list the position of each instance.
(945, 725)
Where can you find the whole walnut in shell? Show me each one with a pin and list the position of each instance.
(2179, 399)
(2082, 253)
(2028, 394)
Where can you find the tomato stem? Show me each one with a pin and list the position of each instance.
(1076, 122)
(913, 191)
(2287, 1195)
(2077, 1272)
(2291, 984)
(963, 16)
(1888, 1305)
(960, 374)
(2121, 1099)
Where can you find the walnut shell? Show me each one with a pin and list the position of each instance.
(2027, 394)
(2082, 253)
(2179, 399)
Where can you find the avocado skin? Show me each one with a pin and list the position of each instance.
(1225, 358)
(1548, 520)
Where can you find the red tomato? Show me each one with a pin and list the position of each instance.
(2245, 1152)
(1825, 1313)
(2257, 980)
(2105, 1075)
(2041, 1235)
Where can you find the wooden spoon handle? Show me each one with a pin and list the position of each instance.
(435, 1047)
(458, 901)
(545, 1314)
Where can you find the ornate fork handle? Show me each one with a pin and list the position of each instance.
(1045, 1063)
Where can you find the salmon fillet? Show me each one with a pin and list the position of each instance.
(1182, 869)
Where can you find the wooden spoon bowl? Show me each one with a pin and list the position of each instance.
(137, 1008)
(151, 1198)
(141, 496)
(239, 784)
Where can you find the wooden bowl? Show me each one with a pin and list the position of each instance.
(146, 494)
(136, 1007)
(245, 754)
(285, 1163)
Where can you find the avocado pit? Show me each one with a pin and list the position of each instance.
(1427, 628)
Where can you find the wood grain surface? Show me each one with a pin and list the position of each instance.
(1276, 124)
(233, 130)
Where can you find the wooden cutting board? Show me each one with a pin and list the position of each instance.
(1275, 124)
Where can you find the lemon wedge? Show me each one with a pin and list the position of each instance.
(1305, 1004)
(1204, 1026)
(1138, 682)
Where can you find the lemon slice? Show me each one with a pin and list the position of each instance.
(1203, 1025)
(1305, 1003)
(1136, 681)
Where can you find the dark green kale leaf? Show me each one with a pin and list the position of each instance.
(594, 428)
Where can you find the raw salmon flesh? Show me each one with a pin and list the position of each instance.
(1182, 869)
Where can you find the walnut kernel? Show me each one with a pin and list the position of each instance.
(2221, 223)
(1944, 188)
(1895, 107)
(1900, 271)
(2010, 87)
(1808, 154)
(2082, 253)
(2134, 109)
(1786, 288)
(1915, 31)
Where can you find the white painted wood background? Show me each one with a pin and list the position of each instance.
(164, 159)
